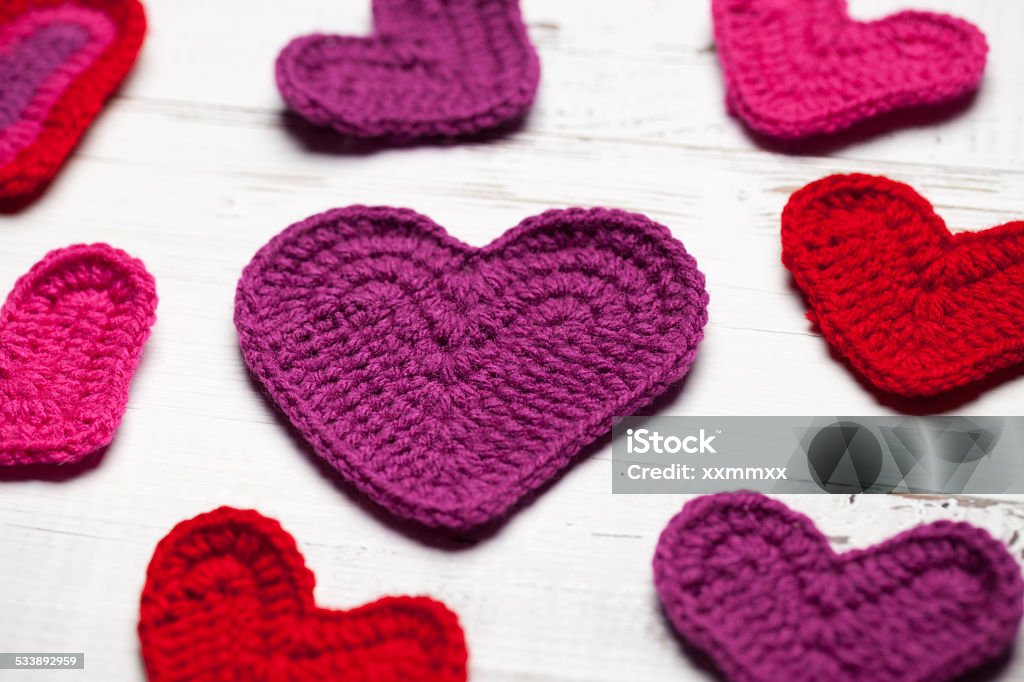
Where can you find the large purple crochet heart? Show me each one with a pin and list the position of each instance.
(447, 382)
(757, 587)
(431, 68)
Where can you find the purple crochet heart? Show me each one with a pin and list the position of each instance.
(432, 68)
(447, 382)
(757, 587)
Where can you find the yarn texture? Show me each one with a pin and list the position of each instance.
(228, 597)
(432, 68)
(915, 310)
(447, 382)
(798, 68)
(757, 587)
(59, 62)
(71, 333)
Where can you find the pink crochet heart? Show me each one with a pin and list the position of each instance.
(447, 382)
(71, 333)
(757, 587)
(797, 68)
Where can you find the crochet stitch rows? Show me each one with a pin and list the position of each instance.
(71, 333)
(59, 62)
(915, 310)
(228, 597)
(447, 382)
(798, 68)
(757, 587)
(432, 68)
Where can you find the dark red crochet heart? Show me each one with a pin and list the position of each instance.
(60, 60)
(914, 309)
(228, 597)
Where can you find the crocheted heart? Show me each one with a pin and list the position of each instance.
(432, 68)
(757, 587)
(914, 309)
(71, 334)
(228, 597)
(59, 62)
(797, 68)
(447, 382)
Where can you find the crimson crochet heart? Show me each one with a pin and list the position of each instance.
(430, 69)
(447, 382)
(798, 68)
(757, 587)
(71, 334)
(916, 310)
(59, 62)
(228, 597)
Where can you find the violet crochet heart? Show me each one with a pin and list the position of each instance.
(432, 68)
(757, 587)
(71, 334)
(797, 68)
(447, 382)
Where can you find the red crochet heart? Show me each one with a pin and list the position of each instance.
(797, 68)
(914, 309)
(228, 597)
(59, 62)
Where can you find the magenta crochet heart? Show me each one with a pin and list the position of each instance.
(71, 334)
(432, 68)
(757, 587)
(797, 68)
(447, 382)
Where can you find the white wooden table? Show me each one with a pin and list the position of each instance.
(192, 169)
